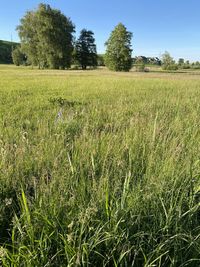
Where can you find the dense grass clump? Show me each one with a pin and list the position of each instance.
(99, 169)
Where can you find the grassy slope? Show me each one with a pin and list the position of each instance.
(112, 180)
(5, 51)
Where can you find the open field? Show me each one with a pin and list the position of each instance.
(99, 168)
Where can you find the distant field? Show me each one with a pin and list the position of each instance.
(99, 168)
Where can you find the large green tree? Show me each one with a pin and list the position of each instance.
(85, 49)
(118, 51)
(46, 36)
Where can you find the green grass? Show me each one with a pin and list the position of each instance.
(99, 168)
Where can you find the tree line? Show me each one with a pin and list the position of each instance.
(47, 41)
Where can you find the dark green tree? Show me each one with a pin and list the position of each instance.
(46, 36)
(85, 49)
(18, 57)
(118, 51)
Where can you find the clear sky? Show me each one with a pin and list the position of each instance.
(157, 25)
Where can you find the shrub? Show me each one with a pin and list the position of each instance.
(171, 67)
(168, 63)
(140, 68)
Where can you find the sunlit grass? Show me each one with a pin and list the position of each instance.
(99, 168)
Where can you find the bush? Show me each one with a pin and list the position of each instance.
(168, 62)
(170, 67)
(196, 67)
(140, 67)
(186, 66)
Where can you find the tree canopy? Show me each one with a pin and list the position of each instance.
(46, 37)
(85, 49)
(118, 51)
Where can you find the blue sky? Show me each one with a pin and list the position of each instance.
(157, 25)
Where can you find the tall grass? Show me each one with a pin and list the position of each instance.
(99, 169)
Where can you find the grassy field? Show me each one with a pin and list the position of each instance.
(99, 168)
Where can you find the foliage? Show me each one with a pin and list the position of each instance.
(171, 67)
(187, 65)
(114, 182)
(154, 61)
(181, 61)
(101, 60)
(6, 51)
(168, 63)
(46, 37)
(195, 65)
(118, 49)
(147, 60)
(18, 57)
(85, 49)
(140, 64)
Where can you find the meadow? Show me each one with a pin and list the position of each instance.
(99, 168)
